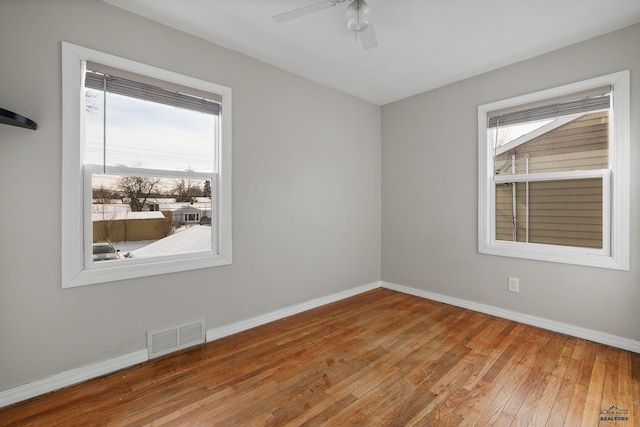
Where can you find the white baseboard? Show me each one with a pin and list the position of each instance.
(233, 328)
(74, 376)
(564, 328)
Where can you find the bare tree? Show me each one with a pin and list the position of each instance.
(168, 226)
(91, 105)
(102, 200)
(103, 195)
(137, 189)
(187, 191)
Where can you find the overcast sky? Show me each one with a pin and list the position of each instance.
(149, 135)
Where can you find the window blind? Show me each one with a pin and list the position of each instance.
(573, 106)
(147, 92)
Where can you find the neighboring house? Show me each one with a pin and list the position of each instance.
(561, 213)
(115, 222)
(150, 207)
(189, 215)
(182, 213)
(118, 224)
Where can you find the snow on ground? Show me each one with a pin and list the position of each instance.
(192, 239)
(125, 247)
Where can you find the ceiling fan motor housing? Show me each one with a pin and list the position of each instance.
(358, 15)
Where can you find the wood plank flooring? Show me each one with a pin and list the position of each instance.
(378, 359)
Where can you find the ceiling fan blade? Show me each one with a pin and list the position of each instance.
(368, 38)
(306, 10)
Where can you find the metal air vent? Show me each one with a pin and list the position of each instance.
(174, 338)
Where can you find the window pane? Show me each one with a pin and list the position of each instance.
(564, 212)
(579, 144)
(144, 217)
(147, 134)
(501, 136)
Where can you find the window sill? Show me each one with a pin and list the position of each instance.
(154, 267)
(551, 253)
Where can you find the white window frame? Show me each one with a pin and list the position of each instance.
(616, 183)
(75, 179)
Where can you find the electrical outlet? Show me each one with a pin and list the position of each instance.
(514, 284)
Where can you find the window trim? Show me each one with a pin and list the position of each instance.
(615, 201)
(74, 272)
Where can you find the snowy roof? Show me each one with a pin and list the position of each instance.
(171, 204)
(115, 215)
(193, 239)
(552, 125)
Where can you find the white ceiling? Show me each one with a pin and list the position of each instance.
(422, 44)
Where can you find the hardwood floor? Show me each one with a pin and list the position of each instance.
(378, 359)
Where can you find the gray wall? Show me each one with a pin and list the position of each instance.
(306, 194)
(307, 199)
(429, 188)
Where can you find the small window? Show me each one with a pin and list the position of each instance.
(146, 153)
(554, 174)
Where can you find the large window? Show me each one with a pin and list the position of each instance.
(146, 170)
(554, 174)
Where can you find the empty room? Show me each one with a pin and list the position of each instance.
(337, 212)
